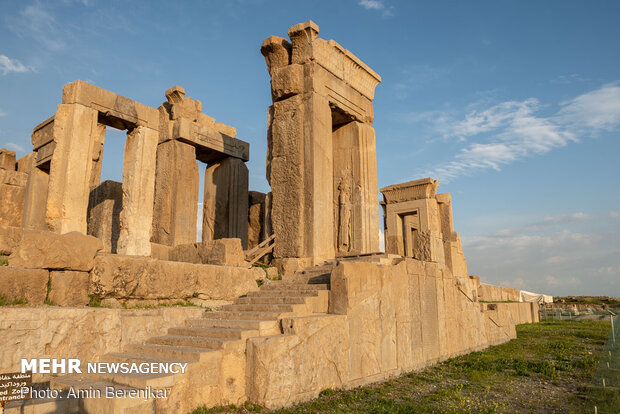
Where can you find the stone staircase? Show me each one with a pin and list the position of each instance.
(213, 346)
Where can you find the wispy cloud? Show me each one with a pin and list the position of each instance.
(37, 22)
(614, 214)
(377, 5)
(567, 79)
(2, 113)
(8, 65)
(509, 131)
(16, 147)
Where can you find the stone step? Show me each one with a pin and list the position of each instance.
(272, 300)
(228, 315)
(269, 327)
(278, 307)
(190, 341)
(283, 293)
(178, 353)
(213, 332)
(134, 357)
(295, 286)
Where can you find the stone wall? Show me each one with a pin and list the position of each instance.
(385, 320)
(13, 180)
(490, 293)
(85, 333)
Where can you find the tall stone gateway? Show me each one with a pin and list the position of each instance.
(321, 159)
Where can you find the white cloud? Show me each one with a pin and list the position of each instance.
(16, 147)
(513, 130)
(37, 22)
(553, 281)
(377, 5)
(8, 65)
(2, 113)
(614, 214)
(572, 78)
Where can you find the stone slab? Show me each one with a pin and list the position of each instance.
(68, 288)
(47, 250)
(130, 277)
(23, 283)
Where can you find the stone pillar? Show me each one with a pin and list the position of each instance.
(225, 204)
(35, 199)
(301, 174)
(176, 194)
(138, 192)
(104, 208)
(74, 130)
(355, 171)
(97, 160)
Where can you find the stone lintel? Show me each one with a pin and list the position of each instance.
(42, 133)
(411, 190)
(210, 143)
(115, 110)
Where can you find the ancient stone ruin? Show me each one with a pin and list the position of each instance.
(91, 263)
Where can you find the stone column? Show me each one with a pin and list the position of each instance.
(355, 167)
(75, 128)
(176, 194)
(97, 160)
(138, 192)
(301, 178)
(36, 198)
(225, 204)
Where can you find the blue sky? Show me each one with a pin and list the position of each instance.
(513, 105)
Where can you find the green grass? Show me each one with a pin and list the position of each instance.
(548, 368)
(4, 260)
(4, 301)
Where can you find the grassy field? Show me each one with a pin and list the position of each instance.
(547, 369)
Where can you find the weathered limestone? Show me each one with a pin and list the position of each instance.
(12, 189)
(176, 194)
(23, 283)
(418, 224)
(74, 127)
(104, 208)
(136, 216)
(385, 319)
(127, 277)
(85, 333)
(313, 96)
(225, 252)
(68, 288)
(225, 205)
(35, 198)
(490, 293)
(47, 250)
(257, 215)
(355, 183)
(7, 159)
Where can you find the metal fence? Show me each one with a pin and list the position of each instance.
(603, 395)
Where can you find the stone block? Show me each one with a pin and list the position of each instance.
(68, 288)
(7, 159)
(104, 208)
(225, 205)
(277, 52)
(287, 81)
(47, 250)
(25, 163)
(23, 283)
(11, 205)
(10, 237)
(136, 217)
(160, 252)
(176, 194)
(226, 252)
(130, 277)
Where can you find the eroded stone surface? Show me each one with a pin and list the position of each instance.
(23, 283)
(47, 250)
(68, 288)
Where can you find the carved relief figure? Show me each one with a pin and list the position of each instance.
(344, 217)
